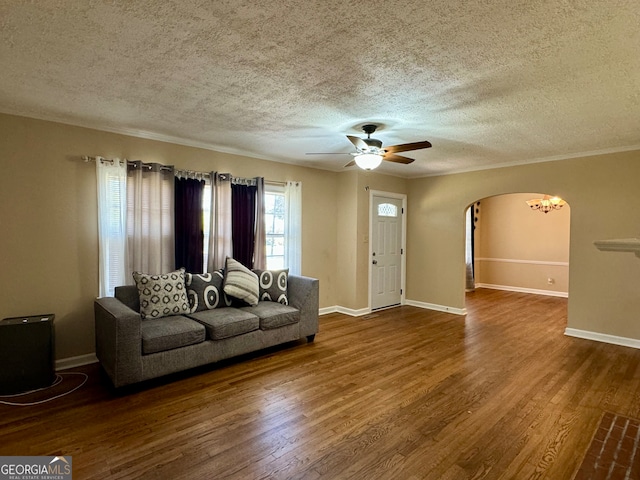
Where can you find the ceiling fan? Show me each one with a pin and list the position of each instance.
(370, 153)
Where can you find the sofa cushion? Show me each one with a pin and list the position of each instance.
(226, 322)
(160, 334)
(273, 315)
(162, 295)
(273, 285)
(240, 282)
(205, 292)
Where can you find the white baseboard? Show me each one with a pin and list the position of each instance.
(347, 311)
(365, 311)
(327, 310)
(602, 337)
(534, 291)
(72, 362)
(437, 308)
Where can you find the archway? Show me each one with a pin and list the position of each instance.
(517, 248)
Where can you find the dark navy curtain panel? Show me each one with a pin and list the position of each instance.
(243, 221)
(189, 229)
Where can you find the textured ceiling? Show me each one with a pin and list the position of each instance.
(488, 82)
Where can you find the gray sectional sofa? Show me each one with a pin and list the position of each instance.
(132, 349)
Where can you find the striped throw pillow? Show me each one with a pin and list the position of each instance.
(240, 282)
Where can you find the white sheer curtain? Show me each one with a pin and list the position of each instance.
(293, 226)
(219, 245)
(150, 218)
(260, 244)
(111, 177)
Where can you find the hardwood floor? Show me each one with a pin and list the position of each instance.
(404, 393)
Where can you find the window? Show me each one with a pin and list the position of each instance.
(274, 218)
(136, 219)
(387, 210)
(112, 231)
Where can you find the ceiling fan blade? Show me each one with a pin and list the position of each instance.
(405, 147)
(358, 142)
(350, 164)
(397, 158)
(327, 153)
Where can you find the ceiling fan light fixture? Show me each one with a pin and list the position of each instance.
(368, 161)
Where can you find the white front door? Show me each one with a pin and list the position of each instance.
(386, 251)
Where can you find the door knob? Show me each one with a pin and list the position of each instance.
(375, 262)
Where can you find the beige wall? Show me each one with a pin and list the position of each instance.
(353, 231)
(49, 222)
(48, 246)
(347, 234)
(604, 197)
(522, 248)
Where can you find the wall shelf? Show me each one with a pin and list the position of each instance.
(619, 245)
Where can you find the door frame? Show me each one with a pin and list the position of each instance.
(403, 259)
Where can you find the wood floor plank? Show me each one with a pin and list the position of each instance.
(403, 393)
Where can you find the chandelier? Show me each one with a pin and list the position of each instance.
(546, 203)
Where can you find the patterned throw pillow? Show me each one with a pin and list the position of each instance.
(205, 291)
(162, 295)
(273, 285)
(240, 282)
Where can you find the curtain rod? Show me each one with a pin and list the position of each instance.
(190, 174)
(225, 176)
(133, 163)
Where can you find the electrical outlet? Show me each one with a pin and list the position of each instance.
(551, 281)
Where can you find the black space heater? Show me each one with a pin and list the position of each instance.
(27, 355)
